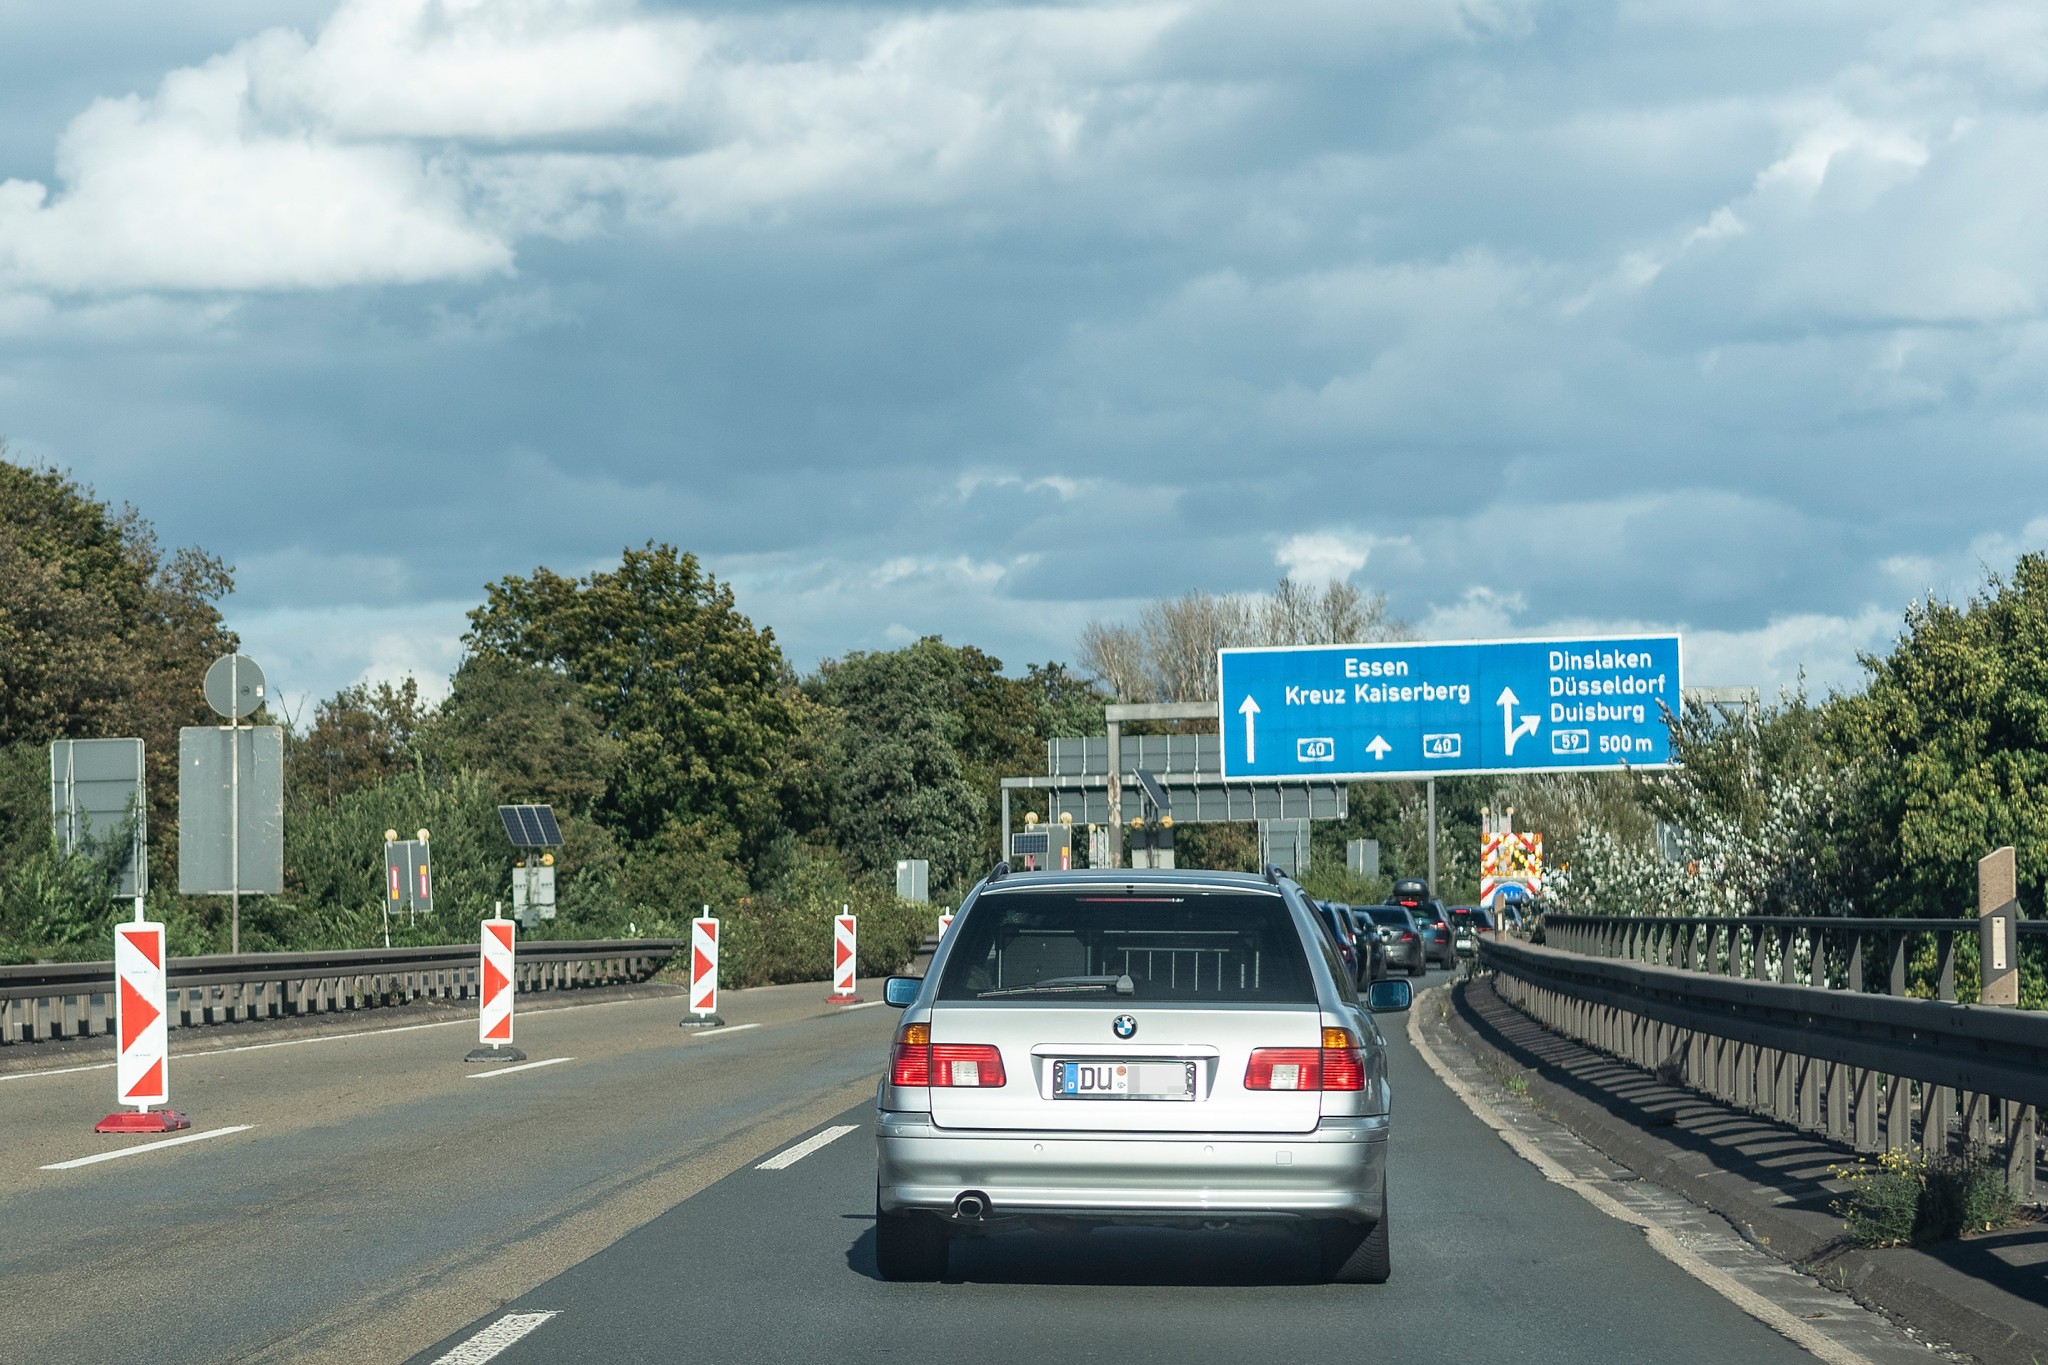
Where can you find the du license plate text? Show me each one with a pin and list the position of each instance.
(1123, 1080)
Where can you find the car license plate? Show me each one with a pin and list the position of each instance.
(1112, 1080)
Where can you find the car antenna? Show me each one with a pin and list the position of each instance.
(999, 871)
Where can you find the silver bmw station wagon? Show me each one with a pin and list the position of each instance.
(1130, 1046)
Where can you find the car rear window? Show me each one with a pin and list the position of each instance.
(1397, 918)
(1174, 944)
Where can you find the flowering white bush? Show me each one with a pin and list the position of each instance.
(1768, 853)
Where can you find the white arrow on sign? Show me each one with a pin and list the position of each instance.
(1507, 701)
(1379, 748)
(1249, 711)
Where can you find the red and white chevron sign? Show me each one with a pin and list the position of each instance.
(142, 1066)
(494, 1023)
(842, 960)
(140, 1075)
(703, 966)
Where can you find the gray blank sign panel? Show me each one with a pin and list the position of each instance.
(95, 789)
(206, 856)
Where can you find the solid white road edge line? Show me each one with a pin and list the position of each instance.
(1779, 1320)
(178, 1141)
(523, 1066)
(487, 1344)
(57, 1071)
(785, 1159)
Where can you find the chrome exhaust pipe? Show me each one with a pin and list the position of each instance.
(971, 1207)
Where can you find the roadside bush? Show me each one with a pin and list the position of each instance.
(1901, 1200)
(783, 933)
(1962, 1194)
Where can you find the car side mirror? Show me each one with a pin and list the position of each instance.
(901, 990)
(1389, 997)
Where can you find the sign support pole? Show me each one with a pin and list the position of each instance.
(1432, 838)
(235, 808)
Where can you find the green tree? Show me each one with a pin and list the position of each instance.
(528, 726)
(101, 632)
(1068, 705)
(899, 788)
(360, 737)
(1950, 745)
(700, 703)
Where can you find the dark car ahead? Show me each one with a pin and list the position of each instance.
(1345, 935)
(1402, 936)
(1372, 947)
(1434, 922)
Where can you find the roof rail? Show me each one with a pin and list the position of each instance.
(1273, 873)
(999, 871)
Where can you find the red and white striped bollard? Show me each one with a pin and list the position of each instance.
(844, 961)
(704, 973)
(142, 1066)
(494, 999)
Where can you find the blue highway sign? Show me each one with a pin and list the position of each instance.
(1470, 706)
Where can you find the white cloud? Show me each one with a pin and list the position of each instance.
(1819, 647)
(1323, 556)
(396, 146)
(1483, 613)
(180, 192)
(308, 653)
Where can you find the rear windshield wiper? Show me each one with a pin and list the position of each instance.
(1066, 985)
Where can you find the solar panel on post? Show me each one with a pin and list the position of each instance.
(531, 826)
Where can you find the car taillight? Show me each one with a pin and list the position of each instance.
(919, 1061)
(1407, 936)
(1343, 1060)
(1339, 1064)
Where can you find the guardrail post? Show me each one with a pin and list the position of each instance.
(1865, 1109)
(2019, 1150)
(1898, 1114)
(1945, 957)
(1937, 1119)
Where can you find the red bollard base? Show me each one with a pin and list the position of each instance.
(843, 1000)
(149, 1121)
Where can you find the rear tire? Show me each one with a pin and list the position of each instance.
(911, 1246)
(1352, 1255)
(1419, 969)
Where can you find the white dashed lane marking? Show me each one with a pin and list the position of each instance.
(785, 1159)
(489, 1343)
(524, 1066)
(97, 1157)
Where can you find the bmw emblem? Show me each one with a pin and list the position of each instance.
(1124, 1026)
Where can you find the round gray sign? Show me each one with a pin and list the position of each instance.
(234, 686)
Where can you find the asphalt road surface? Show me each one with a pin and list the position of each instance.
(385, 1202)
(385, 1194)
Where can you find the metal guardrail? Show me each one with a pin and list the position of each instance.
(1876, 1072)
(1823, 951)
(48, 1000)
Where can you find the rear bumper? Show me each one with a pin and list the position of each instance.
(1336, 1171)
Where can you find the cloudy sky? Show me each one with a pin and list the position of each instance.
(979, 319)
